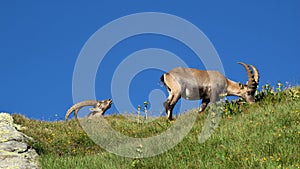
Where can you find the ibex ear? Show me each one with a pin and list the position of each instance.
(98, 104)
(241, 85)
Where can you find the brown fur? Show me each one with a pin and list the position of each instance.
(194, 84)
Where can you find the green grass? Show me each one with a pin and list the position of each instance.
(261, 135)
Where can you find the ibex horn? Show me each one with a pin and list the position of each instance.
(256, 74)
(79, 106)
(249, 72)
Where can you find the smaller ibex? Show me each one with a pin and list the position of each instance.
(194, 84)
(99, 107)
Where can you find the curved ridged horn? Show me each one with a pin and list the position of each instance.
(78, 106)
(249, 72)
(256, 74)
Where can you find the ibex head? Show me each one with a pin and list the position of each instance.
(100, 107)
(247, 91)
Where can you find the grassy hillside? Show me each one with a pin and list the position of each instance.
(262, 135)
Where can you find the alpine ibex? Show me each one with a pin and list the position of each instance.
(99, 107)
(194, 84)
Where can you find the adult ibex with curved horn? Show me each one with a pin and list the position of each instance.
(99, 107)
(194, 84)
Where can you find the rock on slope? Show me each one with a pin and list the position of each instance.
(14, 151)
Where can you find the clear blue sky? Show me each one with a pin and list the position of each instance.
(40, 42)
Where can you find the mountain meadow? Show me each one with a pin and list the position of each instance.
(265, 134)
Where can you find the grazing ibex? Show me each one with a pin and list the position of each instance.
(99, 107)
(194, 84)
